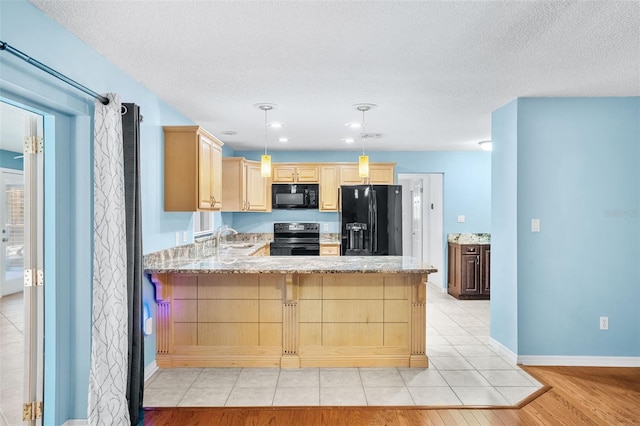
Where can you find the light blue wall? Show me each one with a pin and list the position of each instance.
(504, 237)
(68, 187)
(577, 171)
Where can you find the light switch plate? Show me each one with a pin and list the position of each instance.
(535, 225)
(184, 236)
(177, 238)
(461, 218)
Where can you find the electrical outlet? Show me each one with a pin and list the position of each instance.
(184, 236)
(604, 323)
(177, 238)
(461, 218)
(535, 225)
(325, 226)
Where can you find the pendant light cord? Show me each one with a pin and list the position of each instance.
(265, 131)
(363, 132)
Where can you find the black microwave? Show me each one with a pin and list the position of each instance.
(294, 196)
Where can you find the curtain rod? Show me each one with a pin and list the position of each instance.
(51, 71)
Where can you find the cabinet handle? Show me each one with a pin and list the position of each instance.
(248, 205)
(477, 260)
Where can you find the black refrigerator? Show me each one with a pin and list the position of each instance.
(371, 220)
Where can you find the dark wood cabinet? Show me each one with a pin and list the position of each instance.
(469, 271)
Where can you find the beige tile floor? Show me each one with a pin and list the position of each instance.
(464, 370)
(11, 359)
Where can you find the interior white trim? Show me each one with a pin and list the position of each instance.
(150, 369)
(580, 361)
(504, 351)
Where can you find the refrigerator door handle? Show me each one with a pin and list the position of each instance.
(374, 222)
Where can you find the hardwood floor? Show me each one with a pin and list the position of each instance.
(574, 396)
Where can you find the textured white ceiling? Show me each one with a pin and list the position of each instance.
(436, 69)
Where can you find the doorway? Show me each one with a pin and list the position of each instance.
(422, 220)
(21, 305)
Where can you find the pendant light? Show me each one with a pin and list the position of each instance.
(265, 159)
(363, 160)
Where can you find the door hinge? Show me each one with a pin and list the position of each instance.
(33, 277)
(31, 410)
(33, 145)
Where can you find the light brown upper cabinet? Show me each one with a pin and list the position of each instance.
(192, 169)
(379, 174)
(245, 190)
(333, 175)
(295, 172)
(329, 183)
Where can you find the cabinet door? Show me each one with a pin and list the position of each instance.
(382, 174)
(470, 274)
(329, 184)
(349, 175)
(284, 173)
(205, 174)
(307, 174)
(216, 172)
(485, 266)
(256, 195)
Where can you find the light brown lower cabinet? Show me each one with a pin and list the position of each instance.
(329, 249)
(290, 320)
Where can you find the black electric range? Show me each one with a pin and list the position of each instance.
(295, 239)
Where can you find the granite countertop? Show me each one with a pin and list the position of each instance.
(236, 257)
(470, 238)
(242, 264)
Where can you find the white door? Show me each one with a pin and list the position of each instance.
(21, 295)
(12, 232)
(422, 220)
(416, 220)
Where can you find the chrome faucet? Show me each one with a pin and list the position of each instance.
(223, 230)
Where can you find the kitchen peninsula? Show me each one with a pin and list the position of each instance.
(290, 312)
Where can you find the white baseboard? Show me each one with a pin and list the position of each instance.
(150, 369)
(503, 350)
(76, 422)
(580, 361)
(565, 361)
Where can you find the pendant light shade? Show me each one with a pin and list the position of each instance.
(265, 159)
(265, 165)
(363, 166)
(363, 160)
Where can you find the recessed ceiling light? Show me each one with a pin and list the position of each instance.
(275, 125)
(347, 140)
(229, 132)
(283, 140)
(354, 125)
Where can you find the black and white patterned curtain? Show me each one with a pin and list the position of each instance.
(116, 379)
(109, 331)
